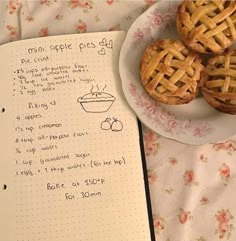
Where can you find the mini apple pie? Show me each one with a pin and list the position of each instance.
(219, 89)
(207, 26)
(170, 72)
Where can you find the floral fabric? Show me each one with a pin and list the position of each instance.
(192, 187)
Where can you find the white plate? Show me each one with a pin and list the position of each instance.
(194, 123)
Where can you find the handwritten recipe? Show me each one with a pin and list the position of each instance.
(72, 159)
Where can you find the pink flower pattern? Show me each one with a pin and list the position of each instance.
(157, 20)
(165, 119)
(29, 19)
(224, 227)
(167, 168)
(198, 132)
(152, 176)
(224, 172)
(162, 20)
(14, 6)
(85, 4)
(189, 178)
(141, 34)
(151, 143)
(204, 200)
(173, 161)
(110, 2)
(184, 216)
(81, 26)
(159, 224)
(203, 158)
(13, 33)
(43, 32)
(229, 146)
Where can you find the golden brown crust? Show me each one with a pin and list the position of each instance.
(170, 73)
(207, 26)
(219, 89)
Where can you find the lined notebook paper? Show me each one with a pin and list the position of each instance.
(71, 164)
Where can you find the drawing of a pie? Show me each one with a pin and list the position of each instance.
(96, 102)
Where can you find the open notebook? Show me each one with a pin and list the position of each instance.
(72, 166)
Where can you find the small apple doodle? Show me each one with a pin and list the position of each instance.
(112, 124)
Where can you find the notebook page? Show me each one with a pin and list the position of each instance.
(71, 166)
